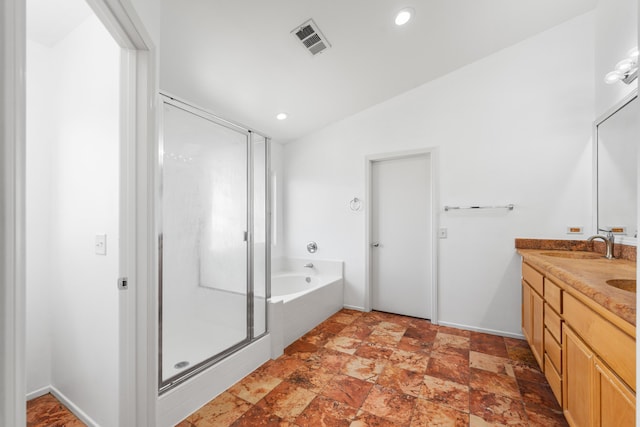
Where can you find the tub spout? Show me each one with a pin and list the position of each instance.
(308, 265)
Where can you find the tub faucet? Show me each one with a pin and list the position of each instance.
(308, 265)
(608, 239)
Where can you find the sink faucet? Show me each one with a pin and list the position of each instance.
(308, 265)
(608, 239)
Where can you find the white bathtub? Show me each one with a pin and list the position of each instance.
(287, 286)
(302, 298)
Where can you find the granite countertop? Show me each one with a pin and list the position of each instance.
(589, 277)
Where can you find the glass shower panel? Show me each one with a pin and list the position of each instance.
(261, 273)
(204, 253)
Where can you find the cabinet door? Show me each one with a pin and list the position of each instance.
(527, 317)
(615, 403)
(577, 380)
(537, 327)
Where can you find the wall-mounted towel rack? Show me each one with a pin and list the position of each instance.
(509, 207)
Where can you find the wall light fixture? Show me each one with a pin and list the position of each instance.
(626, 70)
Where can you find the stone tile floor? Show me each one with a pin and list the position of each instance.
(48, 411)
(378, 369)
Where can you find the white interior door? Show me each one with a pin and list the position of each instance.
(401, 236)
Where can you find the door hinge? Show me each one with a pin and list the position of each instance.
(123, 283)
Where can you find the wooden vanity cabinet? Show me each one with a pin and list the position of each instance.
(599, 366)
(588, 359)
(593, 395)
(577, 367)
(533, 311)
(553, 337)
(615, 403)
(542, 324)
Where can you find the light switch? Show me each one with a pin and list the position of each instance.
(442, 233)
(101, 244)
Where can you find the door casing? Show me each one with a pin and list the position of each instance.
(433, 155)
(138, 129)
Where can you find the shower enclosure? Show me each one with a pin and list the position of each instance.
(213, 240)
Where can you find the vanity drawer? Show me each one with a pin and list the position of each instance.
(553, 351)
(553, 295)
(533, 278)
(554, 378)
(553, 323)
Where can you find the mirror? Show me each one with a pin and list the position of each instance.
(616, 136)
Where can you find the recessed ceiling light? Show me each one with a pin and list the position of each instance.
(282, 116)
(404, 16)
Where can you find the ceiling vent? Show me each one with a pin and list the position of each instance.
(311, 37)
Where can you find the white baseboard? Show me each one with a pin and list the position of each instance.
(354, 307)
(73, 408)
(483, 330)
(37, 393)
(65, 401)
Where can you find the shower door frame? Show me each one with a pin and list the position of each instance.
(166, 98)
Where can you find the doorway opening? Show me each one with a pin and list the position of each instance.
(72, 210)
(134, 135)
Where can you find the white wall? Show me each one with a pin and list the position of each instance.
(149, 13)
(616, 33)
(40, 140)
(74, 195)
(513, 127)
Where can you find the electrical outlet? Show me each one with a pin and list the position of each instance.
(617, 229)
(575, 229)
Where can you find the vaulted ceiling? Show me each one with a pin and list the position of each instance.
(240, 60)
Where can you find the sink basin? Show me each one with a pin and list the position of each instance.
(573, 255)
(628, 285)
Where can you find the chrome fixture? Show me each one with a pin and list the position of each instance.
(355, 204)
(510, 207)
(626, 70)
(308, 265)
(608, 239)
(312, 247)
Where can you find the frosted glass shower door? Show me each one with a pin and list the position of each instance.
(204, 249)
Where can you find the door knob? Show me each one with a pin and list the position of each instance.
(375, 245)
